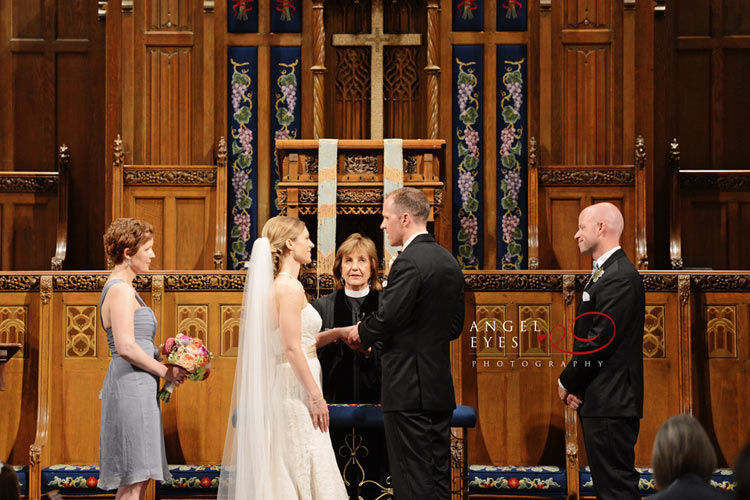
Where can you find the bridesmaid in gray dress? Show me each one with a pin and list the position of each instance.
(131, 442)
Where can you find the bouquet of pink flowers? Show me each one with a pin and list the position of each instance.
(190, 354)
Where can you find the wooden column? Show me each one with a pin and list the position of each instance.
(433, 68)
(39, 452)
(685, 367)
(571, 416)
(641, 204)
(318, 70)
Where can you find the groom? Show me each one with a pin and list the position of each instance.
(421, 311)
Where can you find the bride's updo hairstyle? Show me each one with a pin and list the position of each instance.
(279, 229)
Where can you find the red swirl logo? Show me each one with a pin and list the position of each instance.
(557, 345)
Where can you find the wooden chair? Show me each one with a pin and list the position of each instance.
(186, 204)
(557, 193)
(29, 201)
(709, 211)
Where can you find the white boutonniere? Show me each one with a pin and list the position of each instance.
(390, 262)
(597, 274)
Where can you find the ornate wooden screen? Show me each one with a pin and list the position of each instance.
(185, 203)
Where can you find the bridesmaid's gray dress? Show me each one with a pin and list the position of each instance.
(131, 442)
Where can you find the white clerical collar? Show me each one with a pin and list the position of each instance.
(602, 259)
(403, 247)
(357, 294)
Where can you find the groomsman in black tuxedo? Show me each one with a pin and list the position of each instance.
(604, 379)
(421, 311)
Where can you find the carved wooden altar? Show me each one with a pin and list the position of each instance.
(359, 175)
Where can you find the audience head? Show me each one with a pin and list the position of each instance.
(288, 237)
(129, 240)
(356, 265)
(742, 474)
(405, 211)
(599, 229)
(9, 488)
(682, 447)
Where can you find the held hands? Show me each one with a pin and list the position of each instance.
(569, 399)
(351, 337)
(175, 374)
(319, 412)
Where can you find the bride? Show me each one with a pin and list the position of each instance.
(277, 445)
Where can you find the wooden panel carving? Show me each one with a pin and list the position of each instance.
(654, 333)
(192, 321)
(352, 93)
(490, 338)
(13, 326)
(401, 93)
(587, 106)
(170, 15)
(533, 330)
(348, 16)
(168, 122)
(230, 330)
(588, 13)
(404, 16)
(80, 331)
(721, 331)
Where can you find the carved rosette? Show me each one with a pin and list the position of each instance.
(35, 455)
(157, 287)
(676, 263)
(410, 164)
(533, 263)
(683, 287)
(29, 184)
(360, 164)
(311, 165)
(221, 152)
(19, 283)
(311, 281)
(723, 182)
(674, 155)
(489, 282)
(118, 153)
(571, 450)
(63, 159)
(640, 152)
(533, 155)
(45, 289)
(163, 177)
(569, 288)
(587, 177)
(358, 196)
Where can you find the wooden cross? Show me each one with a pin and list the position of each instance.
(376, 41)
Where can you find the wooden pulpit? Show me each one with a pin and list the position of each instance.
(359, 174)
(6, 352)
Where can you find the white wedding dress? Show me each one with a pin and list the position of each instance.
(271, 450)
(311, 471)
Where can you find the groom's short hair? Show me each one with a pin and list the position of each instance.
(411, 201)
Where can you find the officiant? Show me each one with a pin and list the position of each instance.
(351, 376)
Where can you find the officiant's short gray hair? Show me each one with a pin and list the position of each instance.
(411, 201)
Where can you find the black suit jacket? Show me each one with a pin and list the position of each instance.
(610, 380)
(421, 311)
(691, 487)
